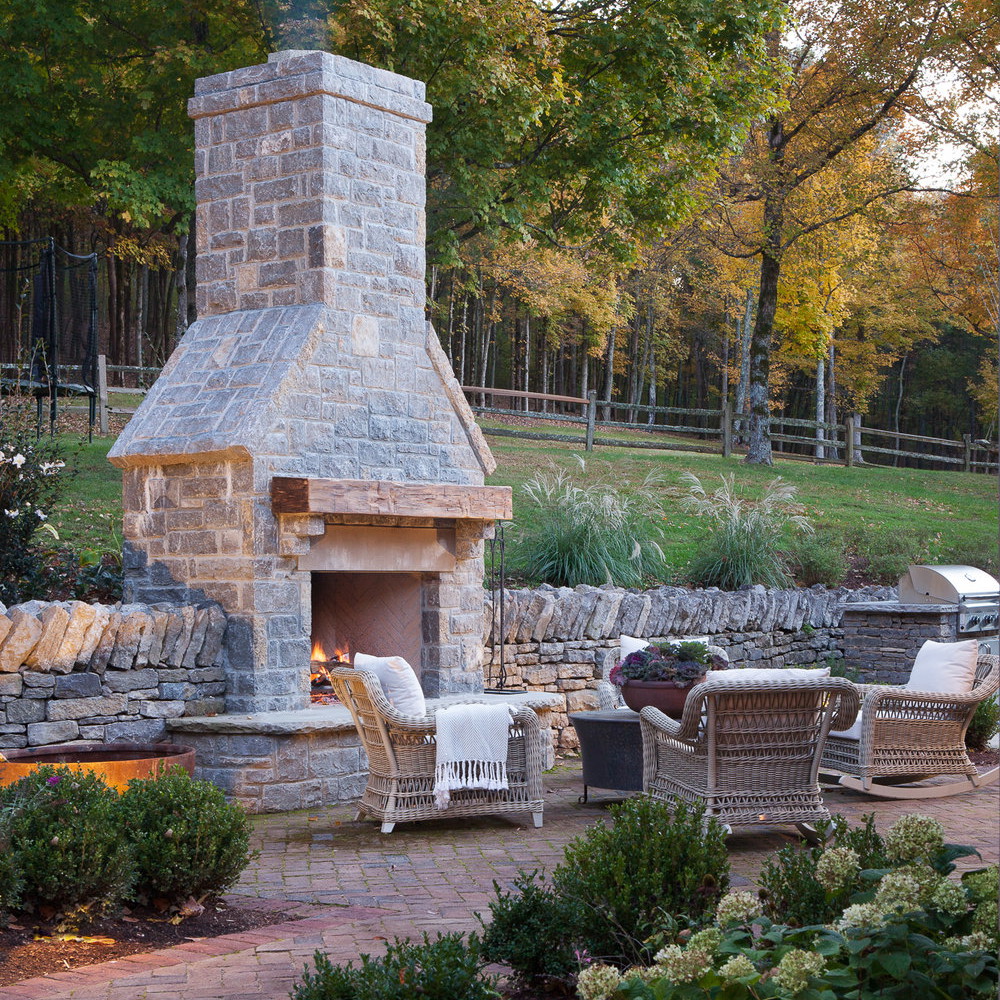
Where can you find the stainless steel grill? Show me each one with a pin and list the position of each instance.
(974, 593)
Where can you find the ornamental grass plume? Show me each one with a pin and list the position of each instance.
(744, 543)
(601, 532)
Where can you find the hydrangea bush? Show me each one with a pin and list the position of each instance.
(914, 931)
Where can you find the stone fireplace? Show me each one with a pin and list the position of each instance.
(307, 458)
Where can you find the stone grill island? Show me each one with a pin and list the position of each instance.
(307, 460)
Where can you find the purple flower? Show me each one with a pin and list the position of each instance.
(53, 779)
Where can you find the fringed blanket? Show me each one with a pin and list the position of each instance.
(471, 749)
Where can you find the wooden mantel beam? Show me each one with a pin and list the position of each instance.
(295, 495)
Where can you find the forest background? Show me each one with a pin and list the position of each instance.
(671, 203)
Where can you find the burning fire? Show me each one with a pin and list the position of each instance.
(319, 676)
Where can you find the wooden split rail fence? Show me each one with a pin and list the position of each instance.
(718, 431)
(711, 431)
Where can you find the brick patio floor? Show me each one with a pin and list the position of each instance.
(358, 888)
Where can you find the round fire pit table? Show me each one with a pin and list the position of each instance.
(610, 749)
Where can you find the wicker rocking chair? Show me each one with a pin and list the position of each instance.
(401, 756)
(906, 737)
(749, 748)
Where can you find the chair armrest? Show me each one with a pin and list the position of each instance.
(608, 695)
(653, 721)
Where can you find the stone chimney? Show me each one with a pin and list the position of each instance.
(311, 396)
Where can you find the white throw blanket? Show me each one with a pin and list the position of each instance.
(471, 749)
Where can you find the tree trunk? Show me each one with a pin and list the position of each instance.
(831, 390)
(744, 333)
(609, 375)
(820, 404)
(652, 364)
(899, 407)
(759, 436)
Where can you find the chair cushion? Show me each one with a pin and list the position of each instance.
(630, 644)
(853, 732)
(399, 682)
(765, 674)
(945, 667)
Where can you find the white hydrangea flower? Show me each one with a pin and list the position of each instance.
(859, 915)
(797, 967)
(708, 939)
(904, 889)
(683, 965)
(914, 836)
(837, 868)
(737, 908)
(949, 897)
(597, 982)
(736, 968)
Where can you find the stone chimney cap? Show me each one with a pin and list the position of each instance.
(294, 74)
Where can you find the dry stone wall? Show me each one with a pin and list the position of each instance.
(559, 639)
(75, 671)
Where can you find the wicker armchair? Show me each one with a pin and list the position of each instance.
(401, 758)
(749, 748)
(909, 736)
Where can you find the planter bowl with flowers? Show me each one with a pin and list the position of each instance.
(662, 673)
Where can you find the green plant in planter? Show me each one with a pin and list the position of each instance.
(681, 662)
(985, 724)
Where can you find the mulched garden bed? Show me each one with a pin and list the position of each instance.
(29, 948)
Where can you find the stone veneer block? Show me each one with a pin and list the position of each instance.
(21, 639)
(88, 646)
(54, 620)
(43, 733)
(81, 617)
(106, 644)
(82, 708)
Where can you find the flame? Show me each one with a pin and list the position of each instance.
(340, 655)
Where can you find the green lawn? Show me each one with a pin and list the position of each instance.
(915, 514)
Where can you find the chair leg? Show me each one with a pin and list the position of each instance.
(387, 827)
(359, 814)
(537, 819)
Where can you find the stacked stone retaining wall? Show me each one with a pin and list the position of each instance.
(75, 671)
(560, 639)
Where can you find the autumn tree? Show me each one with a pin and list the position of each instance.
(851, 68)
